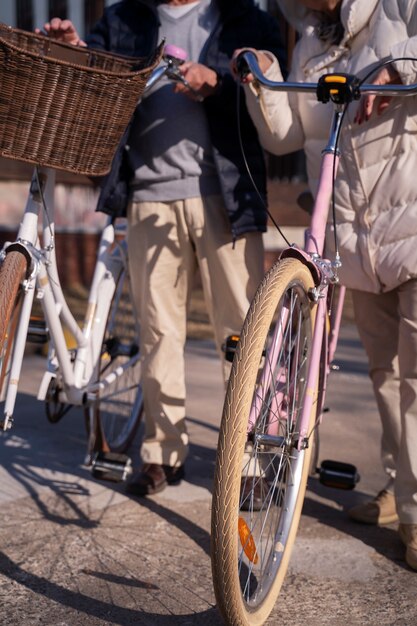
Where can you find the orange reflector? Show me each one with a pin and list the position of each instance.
(247, 541)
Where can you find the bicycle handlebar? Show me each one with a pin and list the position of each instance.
(247, 63)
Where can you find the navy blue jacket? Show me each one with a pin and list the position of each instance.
(131, 27)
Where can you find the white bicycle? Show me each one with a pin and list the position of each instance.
(102, 373)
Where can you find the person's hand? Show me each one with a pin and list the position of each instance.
(370, 102)
(264, 62)
(62, 30)
(202, 80)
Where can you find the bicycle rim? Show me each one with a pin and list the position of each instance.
(12, 270)
(259, 465)
(120, 405)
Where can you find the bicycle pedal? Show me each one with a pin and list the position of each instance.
(338, 475)
(111, 466)
(37, 331)
(229, 347)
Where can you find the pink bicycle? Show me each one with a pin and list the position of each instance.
(275, 395)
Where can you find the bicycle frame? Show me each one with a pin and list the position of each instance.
(325, 272)
(314, 247)
(77, 373)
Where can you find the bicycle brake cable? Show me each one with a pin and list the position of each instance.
(48, 219)
(44, 206)
(336, 241)
(382, 64)
(239, 130)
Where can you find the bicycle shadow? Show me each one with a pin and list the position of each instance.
(94, 608)
(42, 463)
(190, 529)
(65, 490)
(100, 609)
(38, 459)
(382, 539)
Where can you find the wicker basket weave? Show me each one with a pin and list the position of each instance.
(63, 106)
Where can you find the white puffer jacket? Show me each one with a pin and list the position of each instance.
(376, 192)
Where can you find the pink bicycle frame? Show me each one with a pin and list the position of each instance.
(312, 254)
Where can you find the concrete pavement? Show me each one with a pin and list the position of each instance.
(75, 551)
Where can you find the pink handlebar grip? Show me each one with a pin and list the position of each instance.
(175, 53)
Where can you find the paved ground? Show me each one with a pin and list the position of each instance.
(78, 552)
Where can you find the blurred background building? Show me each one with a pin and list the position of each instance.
(30, 14)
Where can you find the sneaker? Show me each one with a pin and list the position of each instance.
(408, 535)
(379, 511)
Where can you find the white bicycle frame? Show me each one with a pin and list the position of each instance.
(78, 374)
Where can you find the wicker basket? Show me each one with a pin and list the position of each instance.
(63, 106)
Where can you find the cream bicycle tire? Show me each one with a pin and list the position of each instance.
(12, 270)
(230, 555)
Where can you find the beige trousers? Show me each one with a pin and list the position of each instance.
(167, 242)
(387, 325)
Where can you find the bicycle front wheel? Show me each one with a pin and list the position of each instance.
(12, 271)
(120, 403)
(263, 458)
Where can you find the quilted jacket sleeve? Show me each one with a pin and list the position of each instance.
(408, 47)
(275, 114)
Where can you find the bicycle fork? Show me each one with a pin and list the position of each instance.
(26, 239)
(6, 421)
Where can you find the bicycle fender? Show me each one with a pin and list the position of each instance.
(304, 257)
(17, 246)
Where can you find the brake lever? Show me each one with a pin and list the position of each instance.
(242, 64)
(175, 57)
(242, 67)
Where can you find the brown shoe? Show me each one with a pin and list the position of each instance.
(253, 492)
(379, 511)
(408, 535)
(153, 478)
